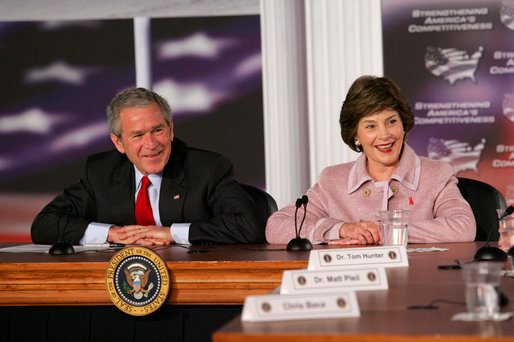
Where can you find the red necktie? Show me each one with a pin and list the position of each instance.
(144, 215)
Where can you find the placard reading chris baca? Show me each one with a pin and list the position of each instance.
(137, 280)
(293, 307)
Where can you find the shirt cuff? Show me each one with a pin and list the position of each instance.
(333, 233)
(95, 233)
(180, 232)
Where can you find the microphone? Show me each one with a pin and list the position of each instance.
(305, 200)
(62, 247)
(488, 253)
(299, 244)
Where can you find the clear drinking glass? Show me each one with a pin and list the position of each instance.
(394, 226)
(507, 232)
(482, 288)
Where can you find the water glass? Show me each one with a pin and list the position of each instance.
(394, 227)
(507, 232)
(482, 288)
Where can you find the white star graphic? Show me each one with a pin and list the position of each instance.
(57, 71)
(33, 120)
(188, 97)
(81, 136)
(198, 44)
(249, 65)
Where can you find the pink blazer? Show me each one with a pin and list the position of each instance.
(346, 193)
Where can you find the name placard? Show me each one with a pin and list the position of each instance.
(293, 307)
(386, 256)
(314, 281)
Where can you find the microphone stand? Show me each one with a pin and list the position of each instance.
(298, 243)
(61, 246)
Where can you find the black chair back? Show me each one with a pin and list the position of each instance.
(484, 199)
(265, 202)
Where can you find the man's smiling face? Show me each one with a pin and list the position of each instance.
(146, 138)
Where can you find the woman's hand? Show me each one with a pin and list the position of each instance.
(359, 233)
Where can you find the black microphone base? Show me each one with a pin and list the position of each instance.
(488, 253)
(61, 248)
(299, 244)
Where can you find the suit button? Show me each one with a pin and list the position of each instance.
(394, 189)
(366, 192)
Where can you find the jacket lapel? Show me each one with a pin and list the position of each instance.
(409, 169)
(173, 192)
(358, 174)
(123, 188)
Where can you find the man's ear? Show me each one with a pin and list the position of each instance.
(172, 135)
(118, 143)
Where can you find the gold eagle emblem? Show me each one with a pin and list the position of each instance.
(137, 277)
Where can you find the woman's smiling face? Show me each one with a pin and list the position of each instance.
(381, 137)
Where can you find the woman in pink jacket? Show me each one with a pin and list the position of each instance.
(344, 205)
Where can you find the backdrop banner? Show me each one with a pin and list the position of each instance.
(59, 76)
(454, 60)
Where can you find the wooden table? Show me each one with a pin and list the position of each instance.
(200, 275)
(384, 313)
(214, 275)
(50, 298)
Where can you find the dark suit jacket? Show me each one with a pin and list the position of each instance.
(197, 187)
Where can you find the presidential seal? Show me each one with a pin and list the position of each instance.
(137, 280)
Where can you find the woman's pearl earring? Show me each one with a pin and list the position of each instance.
(357, 142)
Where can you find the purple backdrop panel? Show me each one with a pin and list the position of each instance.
(58, 78)
(454, 60)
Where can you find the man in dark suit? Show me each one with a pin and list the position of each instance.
(151, 190)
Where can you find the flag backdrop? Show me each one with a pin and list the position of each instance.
(58, 77)
(454, 60)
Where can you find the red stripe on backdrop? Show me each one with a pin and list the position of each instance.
(15, 238)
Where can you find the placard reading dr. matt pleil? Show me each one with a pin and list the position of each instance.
(314, 281)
